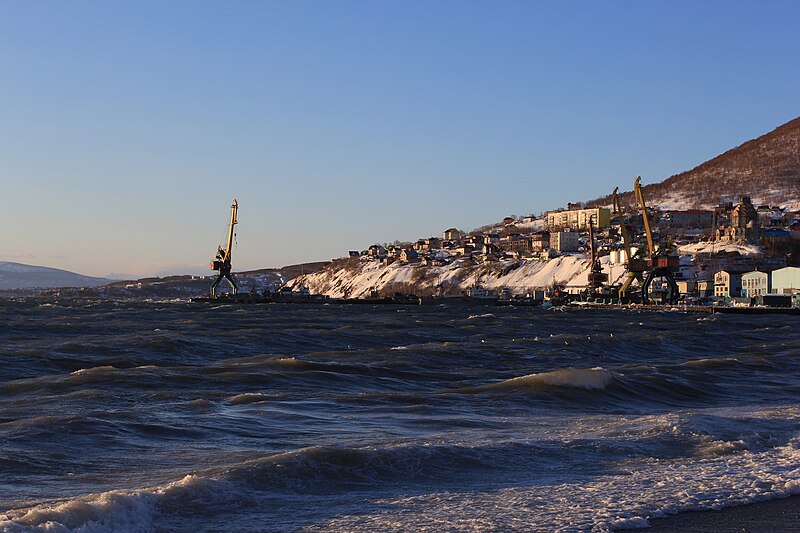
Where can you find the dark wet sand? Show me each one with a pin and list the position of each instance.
(774, 516)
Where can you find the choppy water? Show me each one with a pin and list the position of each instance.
(136, 416)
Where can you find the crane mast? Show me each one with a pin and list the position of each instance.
(229, 245)
(222, 261)
(596, 276)
(623, 228)
(637, 189)
(633, 263)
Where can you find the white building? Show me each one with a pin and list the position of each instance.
(579, 218)
(564, 241)
(754, 284)
(786, 280)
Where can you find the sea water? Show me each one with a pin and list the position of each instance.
(174, 416)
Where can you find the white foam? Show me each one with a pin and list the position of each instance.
(248, 397)
(131, 511)
(485, 315)
(625, 498)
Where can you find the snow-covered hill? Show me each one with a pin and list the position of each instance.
(357, 280)
(20, 276)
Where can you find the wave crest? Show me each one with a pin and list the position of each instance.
(578, 378)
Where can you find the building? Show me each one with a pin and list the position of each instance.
(578, 219)
(744, 225)
(690, 218)
(564, 241)
(516, 243)
(540, 242)
(687, 287)
(755, 284)
(728, 284)
(409, 256)
(376, 250)
(426, 245)
(786, 280)
(451, 234)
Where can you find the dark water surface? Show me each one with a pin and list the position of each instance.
(172, 416)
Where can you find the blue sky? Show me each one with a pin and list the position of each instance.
(128, 127)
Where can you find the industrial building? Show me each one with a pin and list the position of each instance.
(786, 280)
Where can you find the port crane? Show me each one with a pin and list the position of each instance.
(634, 264)
(596, 276)
(222, 261)
(660, 262)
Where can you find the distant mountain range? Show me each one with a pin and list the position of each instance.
(767, 169)
(19, 276)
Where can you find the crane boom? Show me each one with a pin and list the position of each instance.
(222, 261)
(640, 200)
(229, 245)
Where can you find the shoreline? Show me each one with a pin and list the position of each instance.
(768, 516)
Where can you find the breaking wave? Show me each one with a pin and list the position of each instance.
(579, 378)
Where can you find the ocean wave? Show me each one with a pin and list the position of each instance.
(249, 397)
(591, 379)
(132, 511)
(320, 475)
(315, 470)
(577, 378)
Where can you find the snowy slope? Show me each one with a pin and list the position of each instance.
(358, 281)
(20, 276)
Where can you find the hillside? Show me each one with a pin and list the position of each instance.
(767, 169)
(20, 276)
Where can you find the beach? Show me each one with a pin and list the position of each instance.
(766, 517)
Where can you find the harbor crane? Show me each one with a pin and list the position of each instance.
(634, 263)
(597, 277)
(222, 261)
(661, 263)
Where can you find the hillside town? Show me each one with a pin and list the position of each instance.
(736, 252)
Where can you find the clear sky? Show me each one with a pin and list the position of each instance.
(126, 128)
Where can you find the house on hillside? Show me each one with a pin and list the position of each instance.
(376, 250)
(451, 234)
(409, 256)
(540, 242)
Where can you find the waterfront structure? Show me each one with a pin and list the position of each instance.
(564, 241)
(728, 284)
(755, 284)
(786, 280)
(578, 219)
